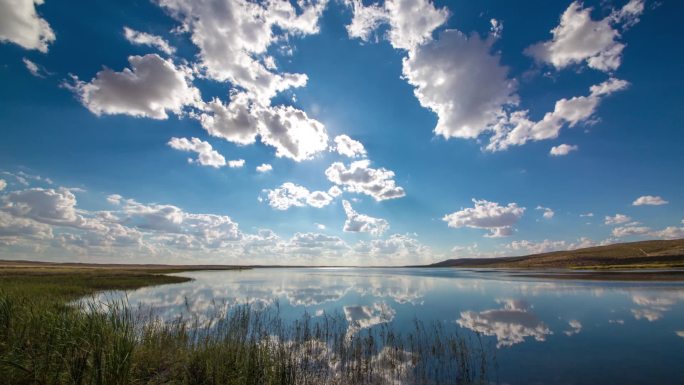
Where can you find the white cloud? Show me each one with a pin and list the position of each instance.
(548, 213)
(144, 38)
(365, 19)
(356, 222)
(517, 129)
(289, 130)
(14, 229)
(649, 200)
(33, 68)
(232, 35)
(152, 87)
(496, 28)
(563, 149)
(207, 156)
(49, 206)
(238, 163)
(579, 39)
(499, 220)
(264, 167)
(401, 247)
(234, 121)
(462, 81)
(575, 327)
(3, 184)
(293, 134)
(411, 22)
(545, 246)
(616, 219)
(179, 228)
(344, 145)
(292, 195)
(335, 191)
(671, 232)
(587, 215)
(361, 178)
(626, 231)
(313, 244)
(511, 324)
(20, 24)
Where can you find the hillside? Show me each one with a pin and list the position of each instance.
(645, 254)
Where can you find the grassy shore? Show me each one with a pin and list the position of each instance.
(44, 339)
(656, 254)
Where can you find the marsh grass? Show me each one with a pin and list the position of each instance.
(95, 343)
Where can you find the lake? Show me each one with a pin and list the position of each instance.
(541, 331)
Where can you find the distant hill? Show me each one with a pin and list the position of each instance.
(645, 254)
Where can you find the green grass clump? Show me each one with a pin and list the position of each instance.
(46, 338)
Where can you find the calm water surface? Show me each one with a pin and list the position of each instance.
(544, 331)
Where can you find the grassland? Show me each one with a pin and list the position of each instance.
(660, 254)
(45, 339)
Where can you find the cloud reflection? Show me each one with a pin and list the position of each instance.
(511, 325)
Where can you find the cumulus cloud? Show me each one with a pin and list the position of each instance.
(670, 232)
(516, 128)
(649, 200)
(151, 87)
(511, 324)
(14, 229)
(49, 206)
(293, 134)
(462, 81)
(20, 24)
(365, 19)
(356, 222)
(547, 245)
(578, 38)
(144, 38)
(289, 130)
(236, 163)
(232, 35)
(234, 121)
(499, 220)
(563, 149)
(292, 195)
(178, 228)
(411, 22)
(344, 145)
(403, 247)
(264, 167)
(34, 209)
(359, 177)
(616, 219)
(206, 155)
(3, 184)
(626, 231)
(548, 213)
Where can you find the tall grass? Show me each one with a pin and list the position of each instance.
(44, 342)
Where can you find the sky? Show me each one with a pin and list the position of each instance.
(339, 132)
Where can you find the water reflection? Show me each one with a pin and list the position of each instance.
(511, 325)
(515, 314)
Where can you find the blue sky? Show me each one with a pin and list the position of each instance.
(338, 132)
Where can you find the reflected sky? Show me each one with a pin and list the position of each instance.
(544, 331)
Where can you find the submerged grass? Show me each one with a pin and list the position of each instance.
(44, 340)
